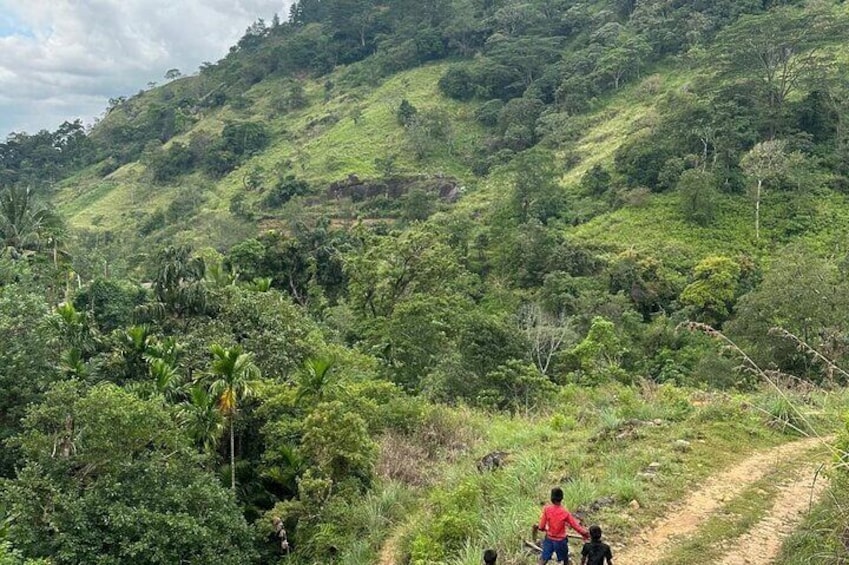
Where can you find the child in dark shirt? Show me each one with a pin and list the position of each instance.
(596, 551)
(489, 557)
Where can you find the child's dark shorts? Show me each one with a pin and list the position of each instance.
(551, 547)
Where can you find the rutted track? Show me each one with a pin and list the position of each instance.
(686, 518)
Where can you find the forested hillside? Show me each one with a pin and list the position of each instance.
(318, 280)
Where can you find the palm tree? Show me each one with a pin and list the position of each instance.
(235, 376)
(25, 223)
(166, 379)
(179, 281)
(314, 380)
(202, 419)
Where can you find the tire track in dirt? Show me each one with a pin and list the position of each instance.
(686, 517)
(795, 498)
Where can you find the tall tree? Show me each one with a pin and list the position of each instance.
(778, 50)
(234, 378)
(765, 161)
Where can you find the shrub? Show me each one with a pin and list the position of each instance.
(457, 83)
(785, 413)
(514, 386)
(596, 181)
(488, 112)
(406, 113)
(698, 196)
(286, 188)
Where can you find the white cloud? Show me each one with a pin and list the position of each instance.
(63, 59)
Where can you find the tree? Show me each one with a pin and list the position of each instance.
(779, 48)
(517, 122)
(244, 138)
(515, 385)
(714, 288)
(406, 113)
(106, 477)
(408, 291)
(172, 74)
(29, 356)
(546, 334)
(596, 181)
(623, 58)
(646, 280)
(25, 223)
(699, 196)
(457, 83)
(337, 442)
(202, 419)
(429, 131)
(315, 380)
(766, 161)
(800, 293)
(234, 378)
(599, 354)
(179, 281)
(536, 193)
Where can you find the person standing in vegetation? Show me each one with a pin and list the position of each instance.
(553, 522)
(596, 551)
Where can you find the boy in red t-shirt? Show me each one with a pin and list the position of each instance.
(553, 522)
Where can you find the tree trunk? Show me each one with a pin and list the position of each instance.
(758, 210)
(232, 458)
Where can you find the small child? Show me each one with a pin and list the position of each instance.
(489, 557)
(596, 551)
(554, 521)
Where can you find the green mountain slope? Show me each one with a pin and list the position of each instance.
(337, 127)
(441, 229)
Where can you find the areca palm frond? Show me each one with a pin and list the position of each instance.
(202, 419)
(25, 223)
(314, 379)
(235, 376)
(166, 378)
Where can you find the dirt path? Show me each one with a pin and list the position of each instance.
(795, 497)
(686, 517)
(391, 548)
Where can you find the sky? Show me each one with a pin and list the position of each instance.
(63, 59)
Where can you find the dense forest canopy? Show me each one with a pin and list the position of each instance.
(261, 291)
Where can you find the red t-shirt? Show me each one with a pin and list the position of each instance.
(553, 522)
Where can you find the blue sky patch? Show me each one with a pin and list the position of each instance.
(9, 25)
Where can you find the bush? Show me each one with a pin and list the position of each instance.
(641, 160)
(785, 413)
(698, 196)
(596, 181)
(717, 371)
(515, 386)
(284, 190)
(457, 83)
(169, 164)
(245, 138)
(488, 112)
(406, 113)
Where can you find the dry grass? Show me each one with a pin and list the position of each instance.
(403, 461)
